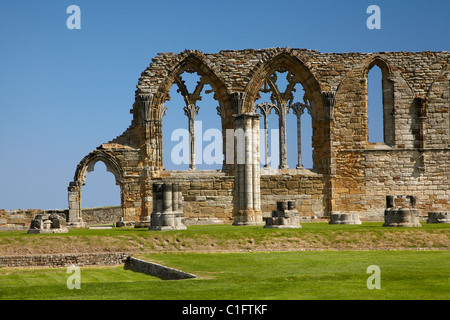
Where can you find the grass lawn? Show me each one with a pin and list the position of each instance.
(324, 275)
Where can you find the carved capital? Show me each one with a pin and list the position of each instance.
(237, 101)
(191, 111)
(144, 102)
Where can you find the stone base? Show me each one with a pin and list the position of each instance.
(248, 217)
(142, 224)
(202, 221)
(283, 226)
(438, 217)
(166, 228)
(76, 224)
(401, 217)
(59, 230)
(344, 218)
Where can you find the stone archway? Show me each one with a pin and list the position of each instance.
(85, 166)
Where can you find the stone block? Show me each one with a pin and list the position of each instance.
(344, 218)
(438, 217)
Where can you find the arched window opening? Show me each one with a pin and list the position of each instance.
(283, 95)
(306, 140)
(192, 128)
(175, 133)
(265, 105)
(375, 105)
(100, 189)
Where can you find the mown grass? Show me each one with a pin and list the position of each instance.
(325, 275)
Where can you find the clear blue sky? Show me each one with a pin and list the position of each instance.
(64, 92)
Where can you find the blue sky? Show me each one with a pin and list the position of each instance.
(65, 92)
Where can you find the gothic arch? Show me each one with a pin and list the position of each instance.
(284, 59)
(87, 165)
(385, 67)
(196, 61)
(387, 84)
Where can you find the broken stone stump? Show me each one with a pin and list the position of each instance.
(286, 216)
(48, 223)
(167, 207)
(345, 218)
(438, 217)
(405, 215)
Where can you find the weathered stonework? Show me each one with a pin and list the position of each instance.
(350, 175)
(48, 223)
(401, 213)
(167, 207)
(438, 217)
(286, 216)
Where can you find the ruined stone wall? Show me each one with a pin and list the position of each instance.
(349, 173)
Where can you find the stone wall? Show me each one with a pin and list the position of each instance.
(64, 260)
(156, 270)
(20, 219)
(105, 215)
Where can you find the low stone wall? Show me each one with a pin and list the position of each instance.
(64, 260)
(103, 215)
(156, 270)
(17, 219)
(20, 219)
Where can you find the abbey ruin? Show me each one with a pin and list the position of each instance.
(350, 175)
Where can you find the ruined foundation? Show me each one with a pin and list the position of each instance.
(438, 217)
(286, 216)
(405, 215)
(48, 223)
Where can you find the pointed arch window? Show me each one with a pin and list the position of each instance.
(380, 103)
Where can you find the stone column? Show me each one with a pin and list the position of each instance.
(191, 111)
(265, 108)
(298, 110)
(247, 203)
(299, 142)
(74, 196)
(282, 112)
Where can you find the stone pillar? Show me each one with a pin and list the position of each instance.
(167, 207)
(75, 219)
(282, 112)
(299, 142)
(266, 109)
(247, 203)
(191, 111)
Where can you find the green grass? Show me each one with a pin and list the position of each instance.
(296, 275)
(370, 235)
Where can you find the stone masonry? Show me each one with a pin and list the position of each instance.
(350, 175)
